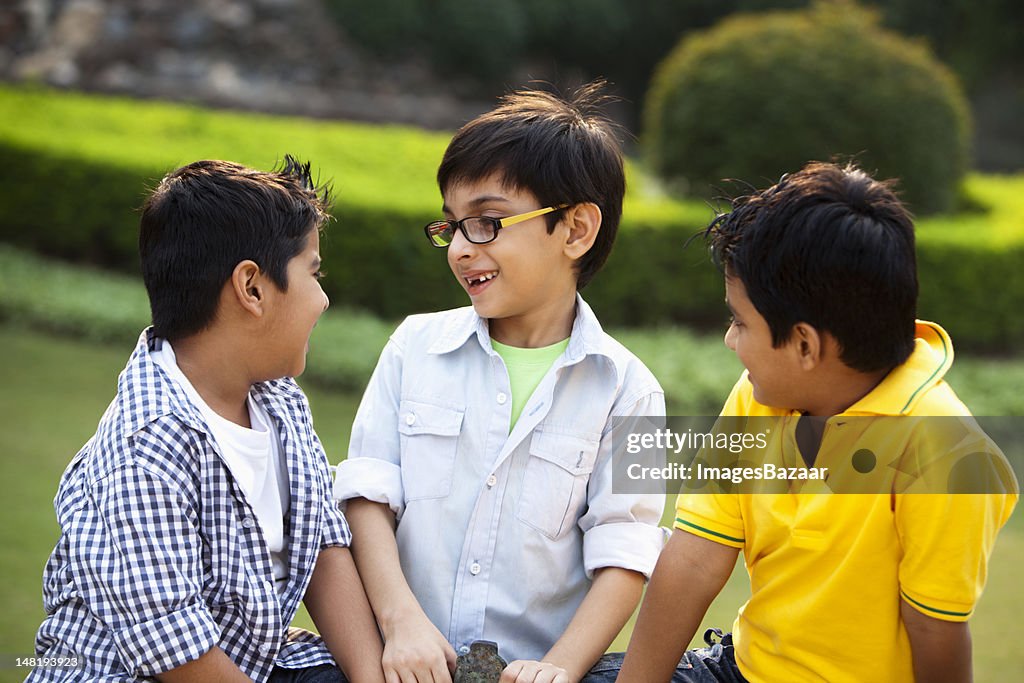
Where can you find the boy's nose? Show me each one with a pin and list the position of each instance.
(460, 247)
(327, 302)
(730, 338)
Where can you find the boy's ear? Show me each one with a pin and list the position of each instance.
(584, 221)
(249, 287)
(809, 344)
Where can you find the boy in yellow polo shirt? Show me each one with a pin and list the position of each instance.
(821, 280)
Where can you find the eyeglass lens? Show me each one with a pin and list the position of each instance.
(477, 230)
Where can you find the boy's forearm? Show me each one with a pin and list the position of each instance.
(338, 606)
(377, 561)
(690, 573)
(607, 606)
(215, 665)
(941, 649)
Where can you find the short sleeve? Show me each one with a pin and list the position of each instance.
(138, 558)
(714, 516)
(372, 469)
(717, 516)
(947, 540)
(621, 529)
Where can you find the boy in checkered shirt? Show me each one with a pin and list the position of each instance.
(200, 513)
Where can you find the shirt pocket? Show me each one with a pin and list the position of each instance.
(555, 481)
(430, 440)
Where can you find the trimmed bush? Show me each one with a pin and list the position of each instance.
(72, 191)
(759, 95)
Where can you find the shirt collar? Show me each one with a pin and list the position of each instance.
(904, 386)
(146, 393)
(587, 336)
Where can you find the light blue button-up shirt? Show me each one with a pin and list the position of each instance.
(499, 533)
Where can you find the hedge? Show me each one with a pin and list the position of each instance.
(71, 191)
(696, 371)
(111, 308)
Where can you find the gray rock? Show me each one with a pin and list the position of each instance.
(482, 664)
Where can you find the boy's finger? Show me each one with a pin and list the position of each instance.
(408, 676)
(511, 672)
(450, 658)
(440, 674)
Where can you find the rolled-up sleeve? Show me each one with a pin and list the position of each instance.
(139, 558)
(372, 469)
(621, 529)
(335, 527)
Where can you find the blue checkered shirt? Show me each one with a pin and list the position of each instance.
(160, 557)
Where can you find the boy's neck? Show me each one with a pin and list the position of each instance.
(841, 389)
(543, 326)
(214, 371)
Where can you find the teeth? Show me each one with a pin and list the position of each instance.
(482, 278)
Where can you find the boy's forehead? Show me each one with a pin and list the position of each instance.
(493, 189)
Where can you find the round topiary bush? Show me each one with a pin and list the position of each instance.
(759, 95)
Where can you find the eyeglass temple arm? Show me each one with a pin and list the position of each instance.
(505, 222)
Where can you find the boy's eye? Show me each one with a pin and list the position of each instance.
(319, 275)
(733, 322)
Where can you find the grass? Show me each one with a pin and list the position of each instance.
(57, 387)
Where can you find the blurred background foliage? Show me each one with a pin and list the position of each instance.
(484, 44)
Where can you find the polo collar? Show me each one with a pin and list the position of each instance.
(904, 386)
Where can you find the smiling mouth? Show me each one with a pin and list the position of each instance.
(481, 278)
(478, 282)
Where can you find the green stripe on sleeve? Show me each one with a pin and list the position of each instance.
(679, 520)
(932, 609)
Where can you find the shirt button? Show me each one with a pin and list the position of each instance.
(474, 568)
(270, 585)
(266, 648)
(502, 397)
(410, 419)
(464, 650)
(491, 481)
(248, 522)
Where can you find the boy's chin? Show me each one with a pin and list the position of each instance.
(484, 310)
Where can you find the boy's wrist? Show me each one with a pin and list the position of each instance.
(393, 617)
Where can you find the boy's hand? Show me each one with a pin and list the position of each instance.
(416, 651)
(526, 671)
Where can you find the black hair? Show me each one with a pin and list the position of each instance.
(831, 247)
(563, 151)
(203, 219)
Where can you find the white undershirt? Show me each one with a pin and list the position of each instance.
(254, 458)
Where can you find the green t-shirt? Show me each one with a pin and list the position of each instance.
(526, 368)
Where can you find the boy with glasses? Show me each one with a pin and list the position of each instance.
(478, 482)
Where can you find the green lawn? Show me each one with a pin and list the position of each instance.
(56, 389)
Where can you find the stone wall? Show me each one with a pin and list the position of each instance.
(282, 56)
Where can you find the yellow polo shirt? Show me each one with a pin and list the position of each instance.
(828, 570)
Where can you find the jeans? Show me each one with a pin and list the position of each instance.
(715, 663)
(325, 673)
